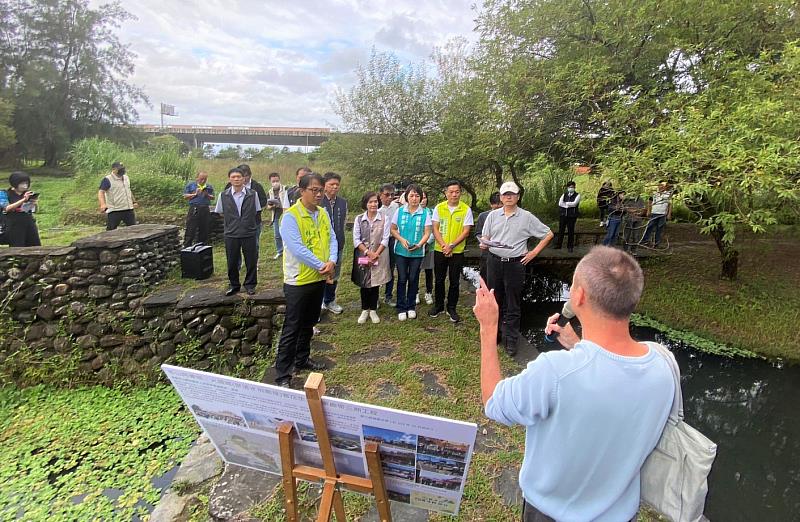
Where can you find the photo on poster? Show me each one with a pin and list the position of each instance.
(435, 480)
(261, 422)
(440, 465)
(442, 448)
(351, 464)
(345, 441)
(397, 456)
(339, 439)
(309, 455)
(244, 448)
(398, 491)
(425, 500)
(399, 472)
(397, 439)
(218, 415)
(306, 432)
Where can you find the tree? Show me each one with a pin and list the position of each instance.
(7, 136)
(732, 148)
(67, 70)
(556, 71)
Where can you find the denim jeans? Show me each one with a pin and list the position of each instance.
(657, 222)
(613, 229)
(407, 282)
(276, 224)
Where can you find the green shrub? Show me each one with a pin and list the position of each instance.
(544, 183)
(93, 156)
(153, 188)
(171, 164)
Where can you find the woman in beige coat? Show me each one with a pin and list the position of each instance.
(371, 257)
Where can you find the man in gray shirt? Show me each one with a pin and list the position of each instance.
(508, 230)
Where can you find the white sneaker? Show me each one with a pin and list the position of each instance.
(412, 314)
(428, 298)
(402, 316)
(373, 316)
(334, 308)
(363, 317)
(417, 298)
(316, 331)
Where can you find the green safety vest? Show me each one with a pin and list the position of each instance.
(316, 237)
(451, 225)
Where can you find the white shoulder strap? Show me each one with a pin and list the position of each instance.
(677, 402)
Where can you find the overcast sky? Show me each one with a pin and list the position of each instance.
(273, 62)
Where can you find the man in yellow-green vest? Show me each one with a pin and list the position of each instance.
(309, 260)
(452, 221)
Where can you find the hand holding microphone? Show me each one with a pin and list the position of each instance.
(559, 329)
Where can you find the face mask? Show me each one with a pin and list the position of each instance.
(276, 184)
(121, 172)
(22, 187)
(570, 191)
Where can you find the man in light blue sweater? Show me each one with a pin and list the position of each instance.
(592, 412)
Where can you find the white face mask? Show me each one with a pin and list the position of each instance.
(22, 187)
(276, 184)
(570, 191)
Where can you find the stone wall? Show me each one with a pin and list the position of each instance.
(111, 269)
(197, 328)
(91, 312)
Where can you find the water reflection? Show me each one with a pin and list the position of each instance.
(748, 407)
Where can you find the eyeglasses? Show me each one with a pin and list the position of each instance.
(315, 190)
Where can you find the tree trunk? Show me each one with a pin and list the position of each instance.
(514, 175)
(471, 191)
(730, 257)
(498, 174)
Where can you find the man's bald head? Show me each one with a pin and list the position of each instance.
(612, 279)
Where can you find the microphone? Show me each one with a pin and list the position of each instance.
(563, 319)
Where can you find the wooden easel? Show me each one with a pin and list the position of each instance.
(331, 495)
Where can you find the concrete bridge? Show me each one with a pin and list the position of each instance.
(198, 135)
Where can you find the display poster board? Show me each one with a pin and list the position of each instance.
(425, 459)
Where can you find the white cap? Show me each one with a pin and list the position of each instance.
(509, 186)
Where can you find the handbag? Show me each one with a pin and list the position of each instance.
(674, 477)
(360, 273)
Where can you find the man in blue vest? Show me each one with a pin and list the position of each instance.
(239, 206)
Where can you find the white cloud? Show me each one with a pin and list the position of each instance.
(251, 62)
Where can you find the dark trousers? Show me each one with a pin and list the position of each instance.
(407, 282)
(632, 233)
(444, 267)
(568, 224)
(483, 266)
(113, 219)
(198, 221)
(235, 247)
(603, 212)
(302, 313)
(369, 298)
(507, 279)
(330, 290)
(392, 263)
(429, 280)
(21, 230)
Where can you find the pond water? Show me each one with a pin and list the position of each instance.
(750, 408)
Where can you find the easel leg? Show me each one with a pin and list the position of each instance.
(326, 504)
(287, 464)
(338, 505)
(378, 485)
